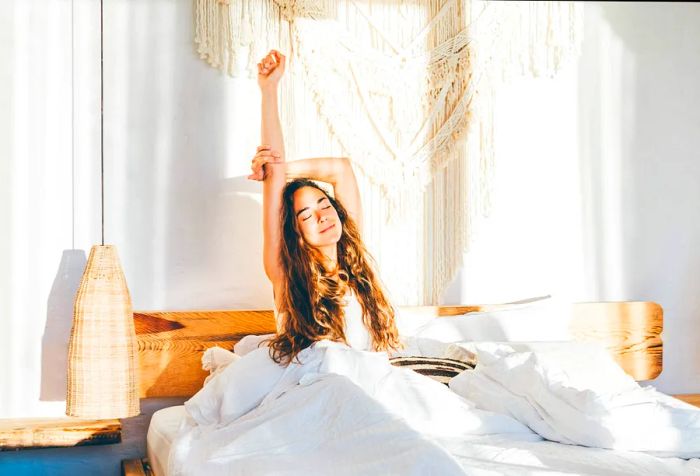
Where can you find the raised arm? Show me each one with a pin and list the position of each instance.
(270, 71)
(336, 171)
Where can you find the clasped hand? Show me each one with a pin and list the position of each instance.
(271, 69)
(264, 155)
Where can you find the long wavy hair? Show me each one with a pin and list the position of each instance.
(312, 300)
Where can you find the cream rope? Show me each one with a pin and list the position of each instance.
(406, 90)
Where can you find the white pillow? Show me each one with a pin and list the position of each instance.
(546, 320)
(529, 301)
(250, 343)
(467, 351)
(410, 319)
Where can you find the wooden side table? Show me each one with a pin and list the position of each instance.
(22, 433)
(136, 467)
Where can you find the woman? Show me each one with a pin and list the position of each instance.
(313, 252)
(309, 404)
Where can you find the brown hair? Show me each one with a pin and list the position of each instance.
(312, 296)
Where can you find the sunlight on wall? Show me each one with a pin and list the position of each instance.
(530, 244)
(558, 140)
(614, 84)
(40, 190)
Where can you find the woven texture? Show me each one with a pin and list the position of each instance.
(438, 369)
(407, 91)
(102, 351)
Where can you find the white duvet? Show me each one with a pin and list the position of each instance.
(340, 411)
(579, 395)
(344, 411)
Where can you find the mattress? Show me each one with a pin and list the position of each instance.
(487, 455)
(161, 432)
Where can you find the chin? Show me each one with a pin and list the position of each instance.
(337, 234)
(330, 239)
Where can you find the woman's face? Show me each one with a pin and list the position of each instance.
(317, 219)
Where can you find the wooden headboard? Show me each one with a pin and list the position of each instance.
(170, 344)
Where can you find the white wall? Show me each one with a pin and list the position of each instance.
(595, 195)
(598, 171)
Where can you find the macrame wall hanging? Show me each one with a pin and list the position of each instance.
(405, 89)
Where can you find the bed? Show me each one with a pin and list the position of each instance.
(171, 346)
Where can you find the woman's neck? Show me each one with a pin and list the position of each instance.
(330, 255)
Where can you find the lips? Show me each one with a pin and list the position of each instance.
(326, 229)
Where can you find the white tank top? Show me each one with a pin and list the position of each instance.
(355, 331)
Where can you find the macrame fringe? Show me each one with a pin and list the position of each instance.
(406, 90)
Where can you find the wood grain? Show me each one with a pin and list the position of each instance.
(692, 398)
(57, 432)
(630, 330)
(171, 343)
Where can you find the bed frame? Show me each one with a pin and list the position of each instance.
(170, 344)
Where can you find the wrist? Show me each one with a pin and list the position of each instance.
(269, 90)
(275, 169)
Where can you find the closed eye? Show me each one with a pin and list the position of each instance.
(306, 209)
(307, 217)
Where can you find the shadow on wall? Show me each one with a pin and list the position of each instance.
(638, 145)
(639, 141)
(59, 319)
(605, 84)
(188, 223)
(240, 241)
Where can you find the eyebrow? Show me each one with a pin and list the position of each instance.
(306, 208)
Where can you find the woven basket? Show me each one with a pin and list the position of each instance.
(102, 359)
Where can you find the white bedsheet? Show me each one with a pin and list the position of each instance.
(486, 455)
(161, 433)
(502, 455)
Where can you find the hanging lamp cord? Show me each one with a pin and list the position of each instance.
(102, 126)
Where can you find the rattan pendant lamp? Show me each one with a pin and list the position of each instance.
(102, 359)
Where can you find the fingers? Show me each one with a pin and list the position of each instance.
(280, 58)
(258, 162)
(261, 159)
(270, 62)
(267, 64)
(264, 155)
(267, 150)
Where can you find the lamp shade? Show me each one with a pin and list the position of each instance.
(102, 359)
